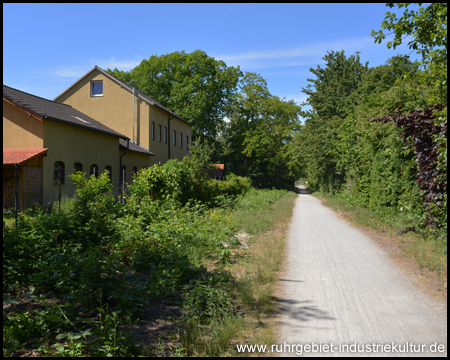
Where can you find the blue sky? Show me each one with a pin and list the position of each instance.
(47, 47)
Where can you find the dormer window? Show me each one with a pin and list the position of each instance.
(97, 88)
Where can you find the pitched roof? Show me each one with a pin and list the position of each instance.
(134, 147)
(138, 93)
(52, 110)
(21, 156)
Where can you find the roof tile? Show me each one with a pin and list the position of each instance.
(20, 156)
(56, 111)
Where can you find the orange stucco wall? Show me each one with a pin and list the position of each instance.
(115, 109)
(20, 131)
(71, 144)
(68, 144)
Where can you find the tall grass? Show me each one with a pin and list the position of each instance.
(255, 271)
(86, 281)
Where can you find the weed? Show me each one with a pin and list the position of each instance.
(72, 281)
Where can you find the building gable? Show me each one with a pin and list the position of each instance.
(130, 112)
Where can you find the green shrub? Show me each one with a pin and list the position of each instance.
(171, 180)
(221, 193)
(94, 208)
(209, 298)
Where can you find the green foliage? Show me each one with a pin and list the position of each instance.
(209, 298)
(427, 28)
(94, 205)
(84, 295)
(254, 211)
(171, 180)
(331, 96)
(222, 193)
(200, 160)
(256, 140)
(426, 138)
(366, 164)
(195, 86)
(329, 92)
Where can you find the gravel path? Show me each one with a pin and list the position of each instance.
(340, 288)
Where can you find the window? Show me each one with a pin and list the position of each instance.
(165, 135)
(97, 88)
(58, 172)
(181, 140)
(93, 170)
(153, 131)
(134, 170)
(174, 138)
(159, 133)
(187, 141)
(109, 170)
(77, 167)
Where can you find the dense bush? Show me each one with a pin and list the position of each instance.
(91, 266)
(94, 209)
(171, 180)
(394, 167)
(214, 192)
(425, 134)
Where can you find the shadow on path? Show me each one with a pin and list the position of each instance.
(301, 310)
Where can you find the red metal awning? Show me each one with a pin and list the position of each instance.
(20, 156)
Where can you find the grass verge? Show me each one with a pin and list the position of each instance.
(254, 265)
(148, 279)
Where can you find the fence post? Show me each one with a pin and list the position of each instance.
(59, 188)
(123, 186)
(15, 193)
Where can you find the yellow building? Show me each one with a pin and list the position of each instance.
(130, 112)
(46, 141)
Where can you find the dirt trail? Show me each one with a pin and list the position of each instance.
(341, 288)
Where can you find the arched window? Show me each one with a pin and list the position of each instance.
(109, 169)
(58, 172)
(93, 170)
(77, 167)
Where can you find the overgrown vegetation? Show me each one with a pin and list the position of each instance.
(395, 166)
(254, 143)
(80, 281)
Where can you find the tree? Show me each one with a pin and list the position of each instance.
(420, 133)
(258, 135)
(427, 28)
(330, 96)
(377, 173)
(195, 86)
(328, 93)
(425, 130)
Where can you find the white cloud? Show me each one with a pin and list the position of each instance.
(315, 50)
(77, 71)
(114, 63)
(70, 71)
